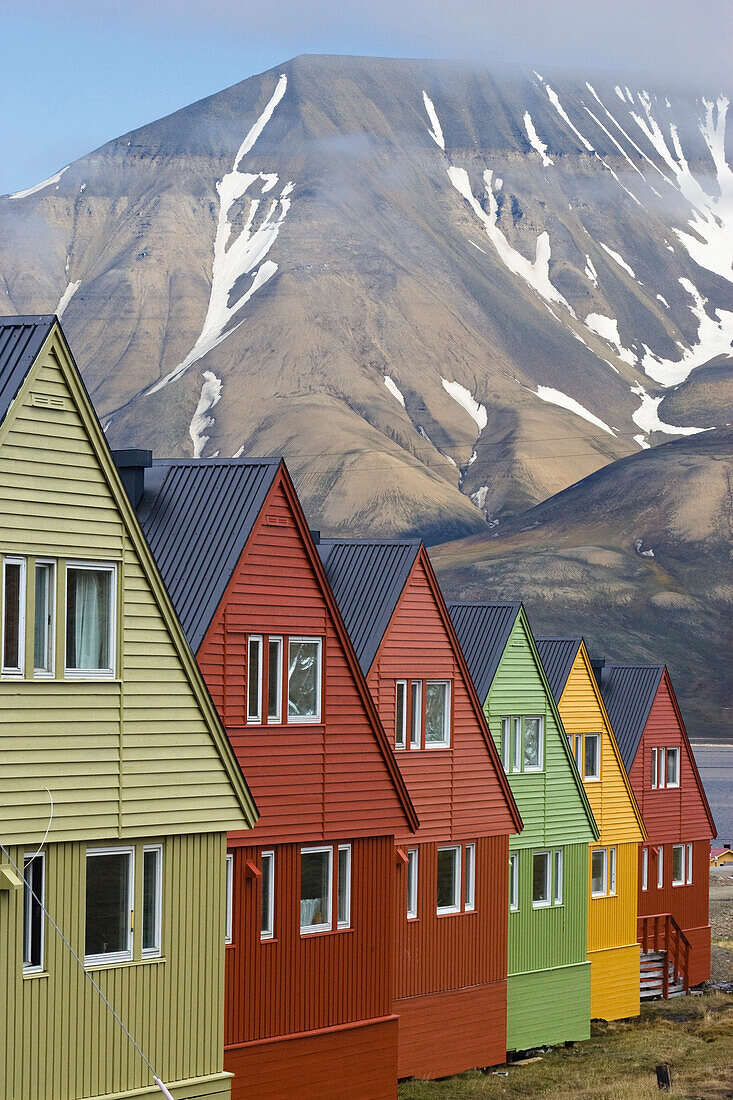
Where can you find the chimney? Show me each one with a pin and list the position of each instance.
(601, 669)
(131, 465)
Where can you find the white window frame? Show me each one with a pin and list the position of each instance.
(11, 670)
(415, 714)
(326, 926)
(308, 719)
(93, 673)
(612, 872)
(268, 860)
(645, 868)
(469, 878)
(34, 857)
(400, 737)
(114, 956)
(603, 892)
(153, 952)
(513, 882)
(661, 760)
(254, 719)
(506, 726)
(676, 752)
(516, 745)
(578, 750)
(681, 880)
(445, 910)
(595, 776)
(688, 865)
(229, 898)
(343, 922)
(541, 754)
(444, 743)
(660, 867)
(46, 673)
(543, 904)
(557, 876)
(412, 881)
(275, 719)
(655, 773)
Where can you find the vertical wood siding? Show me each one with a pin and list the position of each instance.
(443, 1033)
(57, 1037)
(554, 935)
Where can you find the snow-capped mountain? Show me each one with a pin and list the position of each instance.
(444, 294)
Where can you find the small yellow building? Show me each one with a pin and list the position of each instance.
(721, 857)
(613, 861)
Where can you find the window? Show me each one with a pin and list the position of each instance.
(505, 747)
(592, 756)
(532, 744)
(673, 767)
(578, 748)
(449, 880)
(274, 679)
(645, 868)
(152, 899)
(267, 899)
(599, 872)
(412, 883)
(44, 618)
(514, 881)
(109, 893)
(416, 714)
(469, 879)
(437, 713)
(522, 744)
(689, 864)
(304, 680)
(315, 889)
(13, 632)
(33, 901)
(612, 871)
(678, 865)
(343, 893)
(660, 867)
(400, 737)
(90, 620)
(558, 876)
(229, 899)
(654, 769)
(516, 744)
(540, 879)
(661, 780)
(254, 679)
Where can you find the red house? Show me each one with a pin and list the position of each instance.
(673, 923)
(451, 909)
(309, 956)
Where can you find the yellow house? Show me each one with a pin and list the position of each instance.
(721, 857)
(613, 861)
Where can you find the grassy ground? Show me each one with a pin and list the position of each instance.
(694, 1034)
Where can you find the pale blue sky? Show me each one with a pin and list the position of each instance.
(76, 74)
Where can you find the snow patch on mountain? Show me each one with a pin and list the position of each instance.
(534, 141)
(557, 397)
(607, 329)
(714, 337)
(242, 256)
(394, 390)
(555, 101)
(38, 186)
(467, 401)
(646, 416)
(66, 297)
(619, 259)
(210, 396)
(590, 272)
(436, 132)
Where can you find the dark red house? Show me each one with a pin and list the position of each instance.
(451, 909)
(673, 923)
(309, 960)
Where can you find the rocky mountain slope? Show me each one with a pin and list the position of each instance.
(444, 294)
(637, 558)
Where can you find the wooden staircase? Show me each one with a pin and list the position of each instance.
(665, 957)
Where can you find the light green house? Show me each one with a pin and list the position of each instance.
(104, 713)
(548, 987)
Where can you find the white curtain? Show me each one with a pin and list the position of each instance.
(87, 620)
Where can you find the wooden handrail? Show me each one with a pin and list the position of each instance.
(674, 942)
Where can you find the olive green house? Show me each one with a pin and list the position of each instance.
(112, 927)
(548, 987)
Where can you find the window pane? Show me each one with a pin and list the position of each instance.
(412, 882)
(678, 864)
(254, 679)
(436, 713)
(532, 738)
(229, 899)
(401, 715)
(644, 868)
(592, 756)
(151, 899)
(448, 878)
(673, 767)
(303, 679)
(660, 867)
(88, 619)
(416, 713)
(516, 744)
(505, 728)
(267, 906)
(558, 876)
(513, 882)
(598, 869)
(469, 896)
(43, 619)
(108, 904)
(689, 864)
(654, 768)
(32, 912)
(343, 915)
(612, 870)
(12, 608)
(660, 762)
(315, 889)
(541, 877)
(274, 678)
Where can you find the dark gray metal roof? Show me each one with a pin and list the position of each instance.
(628, 692)
(483, 630)
(197, 516)
(367, 578)
(557, 656)
(21, 339)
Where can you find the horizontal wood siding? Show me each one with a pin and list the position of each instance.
(612, 919)
(59, 1039)
(548, 1007)
(614, 983)
(445, 1033)
(555, 935)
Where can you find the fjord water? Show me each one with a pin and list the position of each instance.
(715, 763)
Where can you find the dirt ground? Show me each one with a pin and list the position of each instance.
(721, 923)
